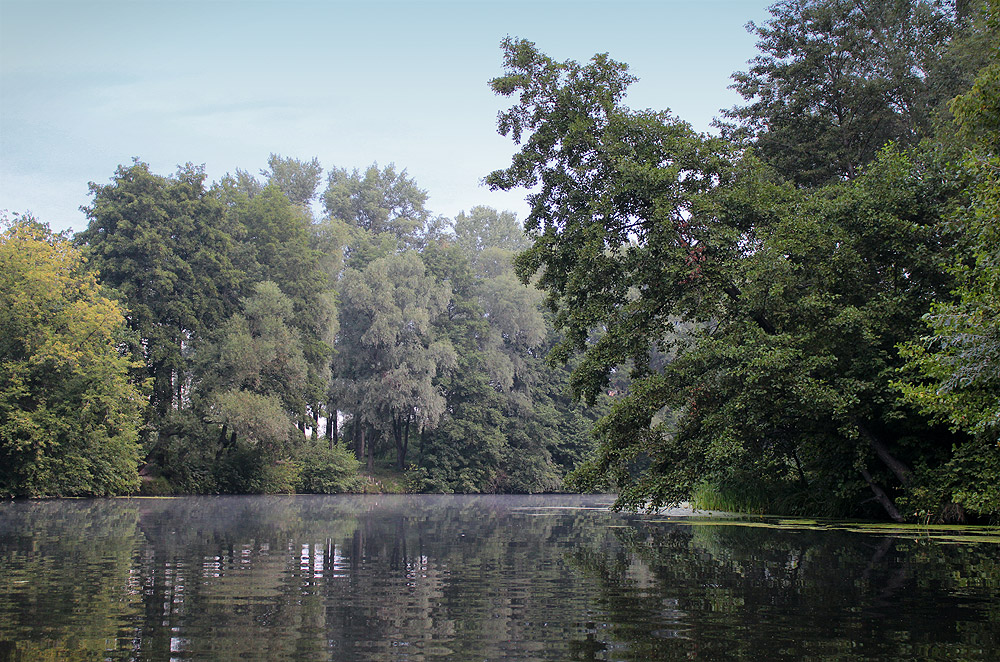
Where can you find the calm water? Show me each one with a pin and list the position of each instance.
(476, 578)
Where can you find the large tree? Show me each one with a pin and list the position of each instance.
(838, 79)
(298, 180)
(165, 245)
(388, 351)
(757, 321)
(381, 201)
(511, 424)
(954, 370)
(277, 241)
(69, 410)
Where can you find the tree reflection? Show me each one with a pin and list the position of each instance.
(759, 593)
(421, 578)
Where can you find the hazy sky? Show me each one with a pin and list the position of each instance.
(87, 85)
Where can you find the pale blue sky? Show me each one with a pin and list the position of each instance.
(87, 85)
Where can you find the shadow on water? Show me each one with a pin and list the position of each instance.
(476, 577)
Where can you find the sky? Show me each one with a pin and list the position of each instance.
(87, 85)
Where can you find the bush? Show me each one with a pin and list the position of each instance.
(326, 470)
(155, 486)
(246, 470)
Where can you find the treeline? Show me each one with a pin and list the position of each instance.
(808, 302)
(798, 314)
(222, 338)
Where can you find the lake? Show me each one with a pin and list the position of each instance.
(480, 578)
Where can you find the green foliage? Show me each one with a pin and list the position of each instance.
(245, 471)
(69, 410)
(156, 486)
(258, 351)
(164, 245)
(709, 496)
(184, 452)
(379, 201)
(966, 484)
(279, 244)
(328, 469)
(838, 79)
(489, 238)
(298, 180)
(258, 421)
(255, 457)
(389, 353)
(951, 372)
(757, 321)
(511, 424)
(435, 350)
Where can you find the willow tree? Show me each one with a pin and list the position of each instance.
(389, 353)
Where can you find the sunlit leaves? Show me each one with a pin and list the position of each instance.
(69, 411)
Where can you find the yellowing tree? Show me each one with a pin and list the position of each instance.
(69, 411)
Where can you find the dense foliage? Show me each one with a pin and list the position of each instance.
(278, 351)
(798, 314)
(766, 295)
(69, 414)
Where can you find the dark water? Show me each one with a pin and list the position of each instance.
(475, 578)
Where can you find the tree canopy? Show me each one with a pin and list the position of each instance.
(797, 313)
(837, 79)
(757, 309)
(69, 407)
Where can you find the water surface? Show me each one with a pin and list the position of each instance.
(479, 578)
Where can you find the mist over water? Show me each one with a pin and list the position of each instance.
(475, 578)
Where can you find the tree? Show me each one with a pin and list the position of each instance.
(952, 371)
(838, 79)
(69, 409)
(465, 452)
(379, 201)
(298, 180)
(249, 388)
(258, 351)
(277, 242)
(255, 457)
(483, 230)
(163, 243)
(757, 322)
(389, 354)
(511, 425)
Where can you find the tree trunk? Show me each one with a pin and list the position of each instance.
(406, 440)
(359, 439)
(163, 389)
(881, 496)
(371, 453)
(222, 441)
(901, 471)
(401, 435)
(798, 467)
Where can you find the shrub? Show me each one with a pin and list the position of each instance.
(327, 470)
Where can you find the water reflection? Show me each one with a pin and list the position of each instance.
(461, 578)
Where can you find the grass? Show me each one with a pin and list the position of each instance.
(383, 480)
(710, 496)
